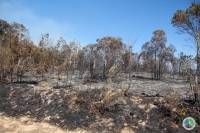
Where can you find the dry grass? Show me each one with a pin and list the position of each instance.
(108, 99)
(172, 97)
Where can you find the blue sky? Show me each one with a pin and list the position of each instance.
(87, 20)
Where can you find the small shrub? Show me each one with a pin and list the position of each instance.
(194, 86)
(172, 98)
(124, 88)
(109, 98)
(111, 70)
(108, 95)
(107, 101)
(110, 73)
(182, 112)
(109, 80)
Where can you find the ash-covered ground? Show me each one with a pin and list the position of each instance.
(82, 105)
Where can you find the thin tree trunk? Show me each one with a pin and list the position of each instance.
(179, 70)
(11, 77)
(198, 60)
(155, 67)
(159, 70)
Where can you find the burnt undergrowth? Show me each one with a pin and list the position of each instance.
(96, 110)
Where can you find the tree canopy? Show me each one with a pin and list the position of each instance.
(188, 21)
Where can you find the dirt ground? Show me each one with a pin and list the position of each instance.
(150, 107)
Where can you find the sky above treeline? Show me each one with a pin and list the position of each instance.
(87, 20)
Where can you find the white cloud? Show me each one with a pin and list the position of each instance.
(14, 11)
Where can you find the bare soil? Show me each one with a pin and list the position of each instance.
(150, 107)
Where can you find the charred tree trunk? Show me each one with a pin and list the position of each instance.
(91, 68)
(179, 69)
(159, 70)
(155, 69)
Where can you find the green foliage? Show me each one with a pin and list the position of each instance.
(124, 88)
(183, 112)
(110, 72)
(188, 21)
(109, 80)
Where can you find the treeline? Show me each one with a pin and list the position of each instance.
(18, 55)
